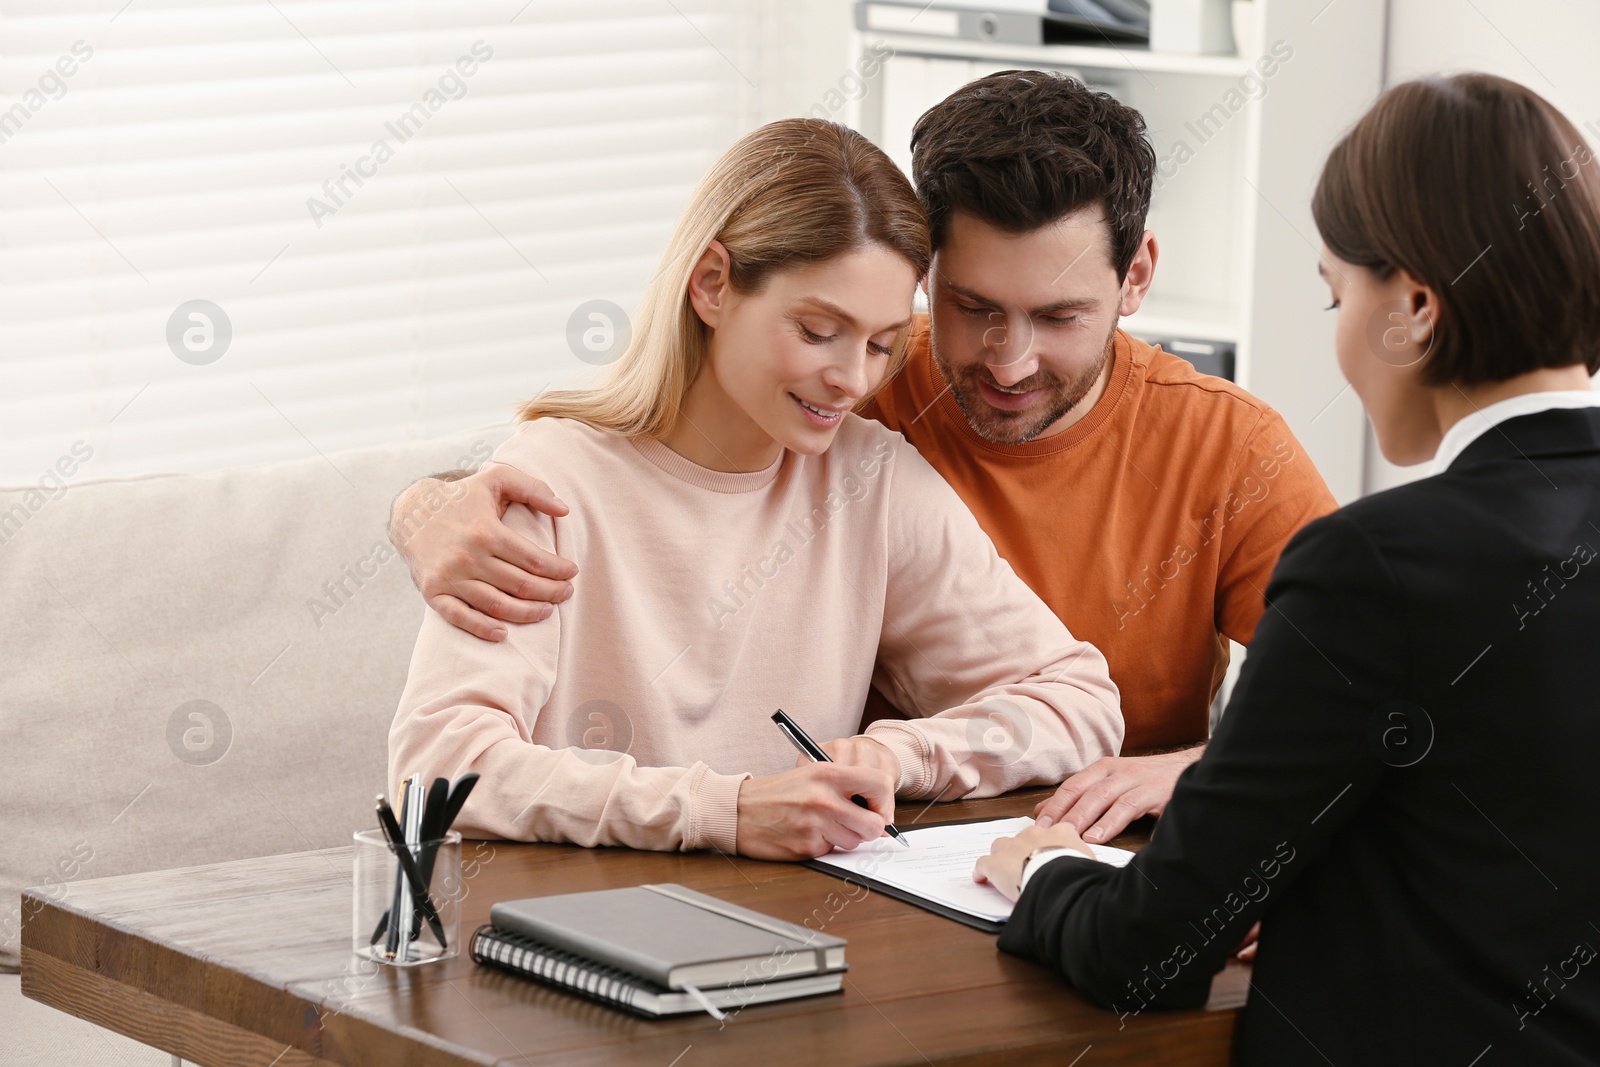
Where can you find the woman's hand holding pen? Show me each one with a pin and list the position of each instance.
(807, 812)
(858, 751)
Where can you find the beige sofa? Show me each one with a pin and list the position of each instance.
(196, 668)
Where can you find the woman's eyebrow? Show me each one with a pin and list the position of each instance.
(845, 317)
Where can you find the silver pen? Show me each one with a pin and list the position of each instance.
(411, 825)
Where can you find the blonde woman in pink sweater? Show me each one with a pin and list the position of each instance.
(748, 544)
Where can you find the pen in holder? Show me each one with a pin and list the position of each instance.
(408, 875)
(377, 868)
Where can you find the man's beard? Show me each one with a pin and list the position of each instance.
(1018, 427)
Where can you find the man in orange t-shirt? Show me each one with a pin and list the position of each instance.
(1144, 502)
(1150, 523)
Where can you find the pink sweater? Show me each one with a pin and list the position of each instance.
(705, 602)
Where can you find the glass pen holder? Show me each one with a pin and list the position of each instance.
(382, 886)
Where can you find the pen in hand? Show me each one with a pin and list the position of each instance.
(803, 742)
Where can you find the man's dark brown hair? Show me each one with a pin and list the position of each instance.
(1479, 188)
(1022, 148)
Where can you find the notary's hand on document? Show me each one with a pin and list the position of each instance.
(1002, 867)
(935, 867)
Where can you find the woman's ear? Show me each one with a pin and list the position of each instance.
(1402, 329)
(709, 284)
(1422, 311)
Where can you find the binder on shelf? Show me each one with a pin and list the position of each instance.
(1029, 22)
(1216, 358)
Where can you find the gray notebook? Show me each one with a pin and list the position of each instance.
(672, 935)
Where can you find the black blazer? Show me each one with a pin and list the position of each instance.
(1404, 789)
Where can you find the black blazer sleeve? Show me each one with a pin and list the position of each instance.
(1295, 756)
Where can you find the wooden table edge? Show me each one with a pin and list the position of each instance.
(185, 1031)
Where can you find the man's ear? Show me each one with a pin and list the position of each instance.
(1141, 272)
(709, 284)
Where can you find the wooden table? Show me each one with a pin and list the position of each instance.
(248, 963)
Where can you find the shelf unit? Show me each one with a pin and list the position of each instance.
(1131, 58)
(1239, 154)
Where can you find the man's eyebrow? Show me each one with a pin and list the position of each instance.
(1073, 304)
(845, 317)
(1064, 305)
(1322, 271)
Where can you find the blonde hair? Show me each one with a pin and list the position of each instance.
(793, 193)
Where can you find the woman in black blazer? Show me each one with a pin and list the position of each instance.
(1405, 787)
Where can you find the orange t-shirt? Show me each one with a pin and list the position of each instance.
(1150, 527)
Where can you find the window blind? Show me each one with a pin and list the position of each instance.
(234, 232)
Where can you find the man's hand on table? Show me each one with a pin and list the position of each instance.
(1247, 948)
(470, 567)
(1102, 799)
(1002, 867)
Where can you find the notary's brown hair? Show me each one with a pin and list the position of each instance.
(1479, 188)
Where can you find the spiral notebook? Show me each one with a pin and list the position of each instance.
(659, 949)
(611, 985)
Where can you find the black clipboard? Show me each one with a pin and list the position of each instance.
(988, 926)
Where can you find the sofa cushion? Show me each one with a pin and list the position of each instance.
(201, 667)
(37, 1035)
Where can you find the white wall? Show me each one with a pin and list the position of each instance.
(800, 54)
(1548, 45)
(177, 161)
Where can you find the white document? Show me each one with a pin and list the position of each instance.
(938, 865)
